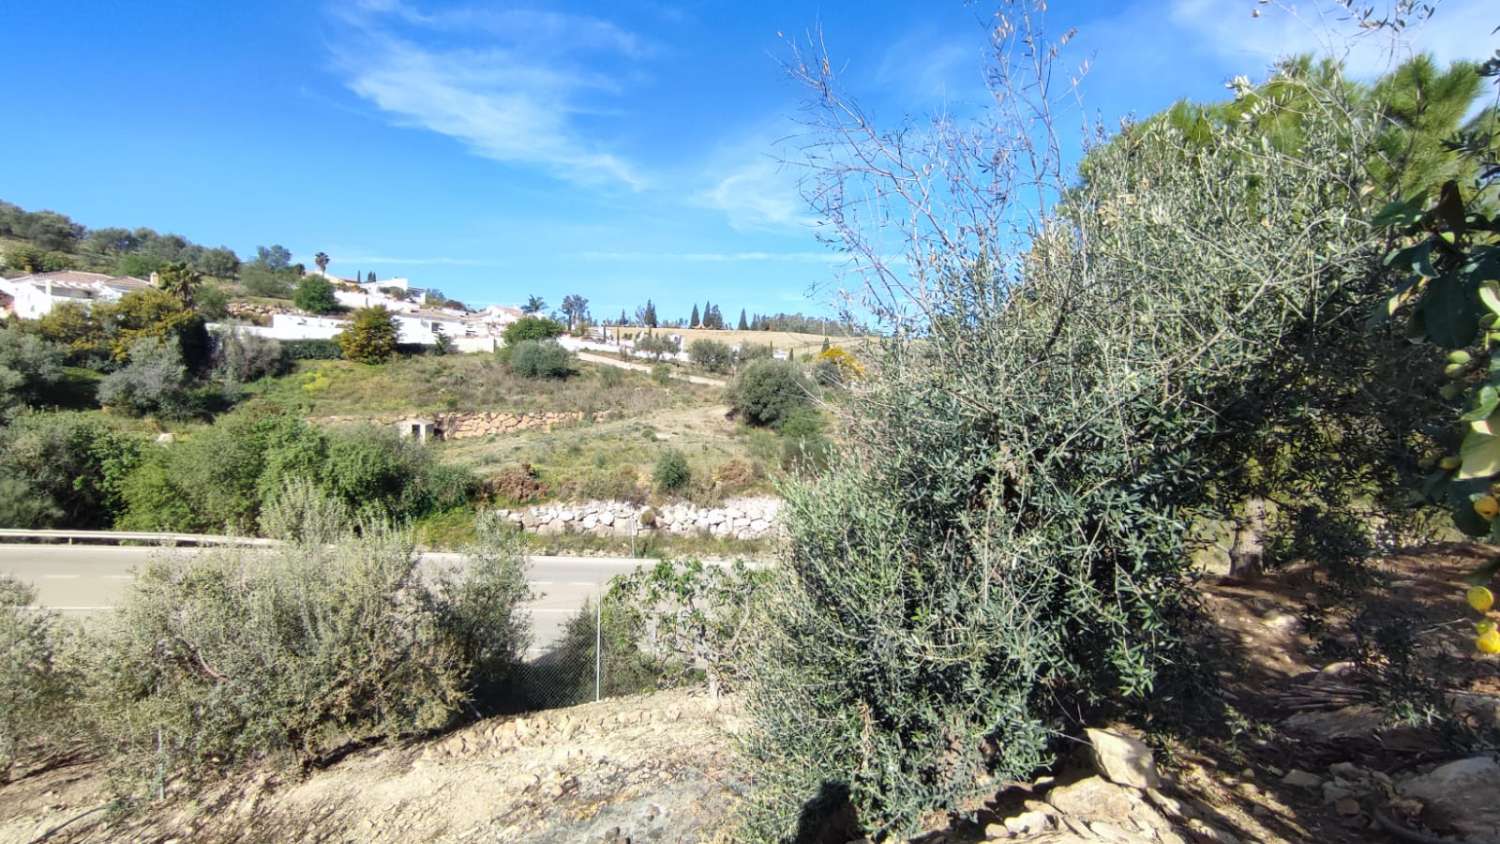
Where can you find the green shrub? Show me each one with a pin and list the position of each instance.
(754, 351)
(711, 355)
(152, 501)
(540, 359)
(268, 283)
(30, 367)
(532, 328)
(671, 472)
(766, 391)
(1000, 555)
(312, 349)
(371, 336)
(610, 377)
(290, 654)
(314, 294)
(661, 374)
(241, 357)
(154, 381)
(35, 686)
(803, 446)
(302, 512)
(73, 462)
(656, 345)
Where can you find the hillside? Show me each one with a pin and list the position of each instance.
(1312, 760)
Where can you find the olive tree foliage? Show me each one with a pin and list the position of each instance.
(999, 551)
(241, 356)
(155, 380)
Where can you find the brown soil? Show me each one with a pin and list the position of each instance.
(1305, 693)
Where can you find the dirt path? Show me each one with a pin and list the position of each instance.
(641, 367)
(649, 768)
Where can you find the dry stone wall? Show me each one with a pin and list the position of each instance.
(459, 426)
(740, 518)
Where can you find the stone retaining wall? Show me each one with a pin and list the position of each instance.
(459, 426)
(742, 518)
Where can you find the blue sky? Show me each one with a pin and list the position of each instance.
(624, 150)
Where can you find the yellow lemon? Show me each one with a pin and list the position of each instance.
(1488, 642)
(1450, 463)
(1487, 506)
(1481, 598)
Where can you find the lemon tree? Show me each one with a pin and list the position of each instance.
(1450, 296)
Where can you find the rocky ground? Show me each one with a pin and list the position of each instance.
(1311, 750)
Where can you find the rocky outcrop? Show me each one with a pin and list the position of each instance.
(742, 518)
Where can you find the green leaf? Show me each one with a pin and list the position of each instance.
(1480, 453)
(1484, 408)
(1450, 310)
(1489, 294)
(1402, 212)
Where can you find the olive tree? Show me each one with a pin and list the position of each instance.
(999, 551)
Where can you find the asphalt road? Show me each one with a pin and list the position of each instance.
(84, 579)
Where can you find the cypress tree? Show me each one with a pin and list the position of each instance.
(744, 326)
(693, 323)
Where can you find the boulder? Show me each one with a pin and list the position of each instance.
(1301, 779)
(1463, 796)
(1094, 797)
(1122, 759)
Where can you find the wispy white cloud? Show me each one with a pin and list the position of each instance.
(509, 92)
(1461, 29)
(928, 67)
(719, 257)
(761, 193)
(433, 262)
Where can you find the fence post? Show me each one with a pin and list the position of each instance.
(598, 646)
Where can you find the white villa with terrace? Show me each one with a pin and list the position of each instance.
(34, 296)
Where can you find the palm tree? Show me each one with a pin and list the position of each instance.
(534, 305)
(321, 259)
(180, 280)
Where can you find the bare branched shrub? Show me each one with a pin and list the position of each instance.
(998, 555)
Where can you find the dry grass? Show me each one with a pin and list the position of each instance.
(468, 383)
(799, 343)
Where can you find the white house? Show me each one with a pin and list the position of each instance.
(34, 296)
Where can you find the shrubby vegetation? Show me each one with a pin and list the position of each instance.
(672, 472)
(153, 381)
(766, 391)
(1050, 413)
(711, 355)
(286, 655)
(371, 336)
(532, 328)
(314, 294)
(539, 359)
(30, 366)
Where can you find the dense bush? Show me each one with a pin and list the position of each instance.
(241, 357)
(29, 366)
(153, 381)
(268, 283)
(671, 473)
(34, 683)
(314, 294)
(711, 355)
(371, 336)
(1000, 553)
(290, 654)
(72, 462)
(804, 448)
(754, 351)
(539, 359)
(766, 391)
(532, 328)
(312, 349)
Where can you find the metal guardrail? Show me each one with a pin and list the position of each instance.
(71, 537)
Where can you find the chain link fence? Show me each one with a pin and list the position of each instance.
(594, 655)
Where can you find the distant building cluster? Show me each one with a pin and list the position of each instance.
(34, 296)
